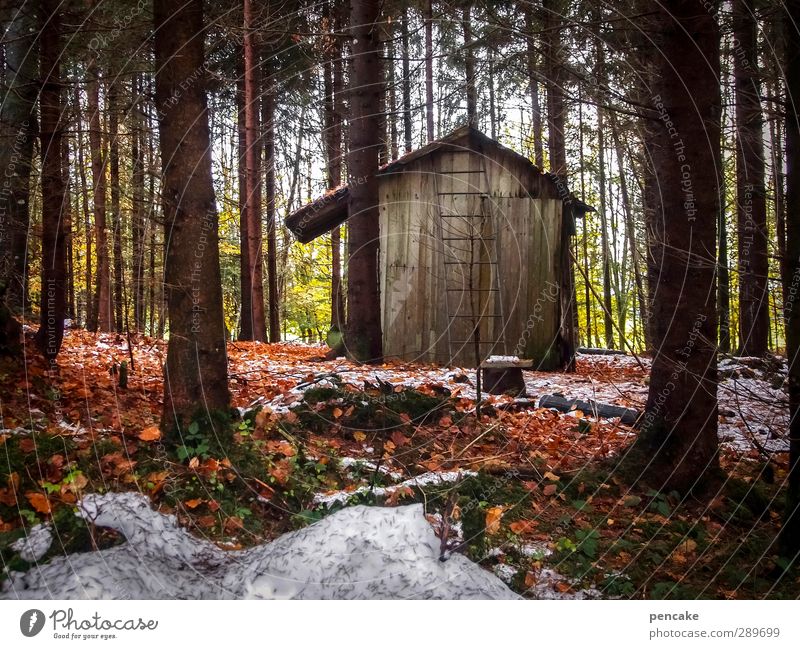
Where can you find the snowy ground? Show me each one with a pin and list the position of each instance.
(357, 553)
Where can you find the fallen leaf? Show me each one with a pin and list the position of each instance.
(399, 439)
(150, 434)
(39, 502)
(549, 489)
(194, 503)
(551, 476)
(493, 516)
(359, 436)
(522, 527)
(337, 412)
(530, 579)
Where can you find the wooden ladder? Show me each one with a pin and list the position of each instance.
(469, 247)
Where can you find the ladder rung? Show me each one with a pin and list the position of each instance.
(473, 290)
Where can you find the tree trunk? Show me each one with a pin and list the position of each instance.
(245, 280)
(54, 203)
(253, 148)
(137, 206)
(429, 70)
(268, 125)
(608, 321)
(101, 312)
(195, 373)
(790, 531)
(533, 81)
(469, 69)
(363, 337)
(116, 217)
(87, 219)
(332, 72)
(407, 134)
(17, 132)
(556, 112)
(678, 442)
(751, 205)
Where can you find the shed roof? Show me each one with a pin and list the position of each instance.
(330, 210)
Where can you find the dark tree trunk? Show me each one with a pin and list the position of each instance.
(246, 319)
(556, 113)
(137, 205)
(268, 125)
(533, 81)
(608, 322)
(116, 216)
(67, 218)
(678, 441)
(332, 71)
(469, 69)
(83, 190)
(790, 532)
(17, 132)
(101, 312)
(751, 204)
(407, 134)
(54, 202)
(363, 337)
(195, 374)
(253, 148)
(429, 70)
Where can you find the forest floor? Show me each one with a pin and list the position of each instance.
(532, 494)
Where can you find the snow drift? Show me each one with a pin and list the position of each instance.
(357, 553)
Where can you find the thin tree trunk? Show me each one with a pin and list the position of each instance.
(17, 133)
(407, 133)
(364, 337)
(137, 205)
(195, 373)
(556, 112)
(268, 125)
(605, 250)
(469, 68)
(83, 190)
(67, 217)
(253, 148)
(245, 279)
(533, 81)
(429, 70)
(54, 204)
(101, 311)
(116, 216)
(751, 205)
(332, 71)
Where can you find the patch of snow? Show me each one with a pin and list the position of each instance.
(545, 587)
(348, 462)
(505, 572)
(35, 544)
(357, 553)
(431, 477)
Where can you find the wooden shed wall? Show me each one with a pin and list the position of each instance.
(417, 266)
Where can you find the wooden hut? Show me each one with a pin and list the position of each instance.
(474, 254)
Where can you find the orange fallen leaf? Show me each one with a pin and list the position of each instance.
(337, 412)
(150, 434)
(522, 527)
(359, 436)
(549, 489)
(493, 516)
(194, 503)
(39, 502)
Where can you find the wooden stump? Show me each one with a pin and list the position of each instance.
(504, 377)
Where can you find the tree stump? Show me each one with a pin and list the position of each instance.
(504, 376)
